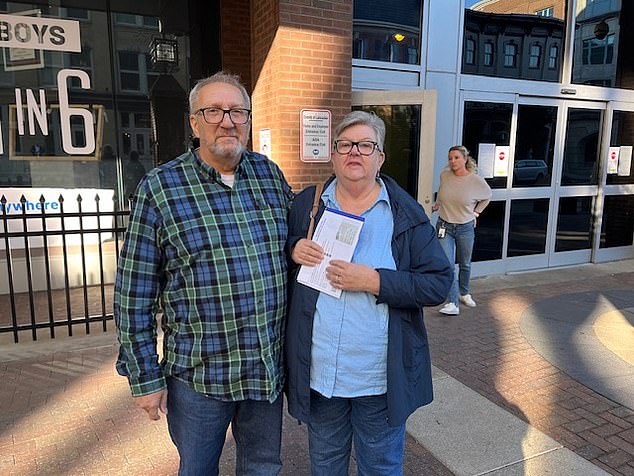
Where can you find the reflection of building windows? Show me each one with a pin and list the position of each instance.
(53, 62)
(78, 131)
(56, 60)
(535, 56)
(510, 55)
(135, 132)
(81, 61)
(546, 12)
(469, 51)
(129, 75)
(597, 51)
(488, 53)
(553, 54)
(136, 20)
(136, 71)
(75, 13)
(385, 45)
(151, 74)
(387, 31)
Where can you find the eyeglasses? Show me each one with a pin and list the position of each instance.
(365, 147)
(215, 115)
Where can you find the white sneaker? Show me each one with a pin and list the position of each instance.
(450, 309)
(467, 300)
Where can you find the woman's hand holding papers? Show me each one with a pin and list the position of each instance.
(307, 252)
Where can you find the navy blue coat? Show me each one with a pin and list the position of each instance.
(422, 278)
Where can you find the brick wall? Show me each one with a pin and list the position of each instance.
(301, 58)
(235, 39)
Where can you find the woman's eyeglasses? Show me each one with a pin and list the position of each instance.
(365, 147)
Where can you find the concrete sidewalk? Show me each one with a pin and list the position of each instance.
(533, 381)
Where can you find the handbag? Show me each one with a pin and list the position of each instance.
(313, 211)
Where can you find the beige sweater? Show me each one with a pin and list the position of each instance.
(459, 196)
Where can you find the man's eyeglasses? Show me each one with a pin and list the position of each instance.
(365, 147)
(215, 115)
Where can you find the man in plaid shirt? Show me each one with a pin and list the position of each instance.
(204, 247)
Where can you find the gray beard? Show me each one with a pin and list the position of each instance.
(227, 152)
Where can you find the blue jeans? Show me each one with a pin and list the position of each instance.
(333, 424)
(458, 246)
(198, 425)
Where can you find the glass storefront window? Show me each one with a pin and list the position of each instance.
(489, 234)
(535, 146)
(78, 117)
(487, 123)
(402, 143)
(581, 152)
(527, 227)
(387, 31)
(574, 224)
(617, 228)
(510, 39)
(622, 136)
(602, 44)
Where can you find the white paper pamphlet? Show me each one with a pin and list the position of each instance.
(337, 233)
(486, 159)
(625, 161)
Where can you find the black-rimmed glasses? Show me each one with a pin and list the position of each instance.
(215, 115)
(365, 147)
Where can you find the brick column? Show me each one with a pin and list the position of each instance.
(301, 58)
(235, 39)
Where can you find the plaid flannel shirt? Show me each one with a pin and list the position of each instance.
(211, 258)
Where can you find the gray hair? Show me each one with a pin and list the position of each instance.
(470, 165)
(365, 119)
(219, 77)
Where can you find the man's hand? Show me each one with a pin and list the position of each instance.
(152, 403)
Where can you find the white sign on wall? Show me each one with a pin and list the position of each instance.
(265, 142)
(19, 31)
(315, 135)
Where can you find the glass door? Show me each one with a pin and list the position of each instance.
(532, 182)
(410, 120)
(616, 199)
(577, 185)
(545, 200)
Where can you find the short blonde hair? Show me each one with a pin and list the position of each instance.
(470, 165)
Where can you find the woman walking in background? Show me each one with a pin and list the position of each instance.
(462, 197)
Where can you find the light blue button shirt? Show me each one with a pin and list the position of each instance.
(349, 348)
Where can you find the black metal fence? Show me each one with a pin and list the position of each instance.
(57, 263)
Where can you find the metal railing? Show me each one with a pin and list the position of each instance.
(57, 263)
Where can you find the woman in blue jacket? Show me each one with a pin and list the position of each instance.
(359, 365)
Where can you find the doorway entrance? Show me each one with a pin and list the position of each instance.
(547, 210)
(410, 120)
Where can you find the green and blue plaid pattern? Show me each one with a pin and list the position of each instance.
(211, 258)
